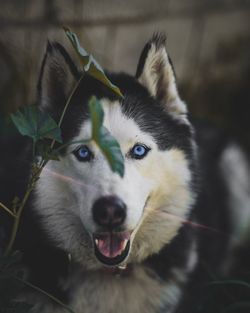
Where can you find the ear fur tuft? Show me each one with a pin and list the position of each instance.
(159, 40)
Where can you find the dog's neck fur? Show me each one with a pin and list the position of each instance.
(153, 285)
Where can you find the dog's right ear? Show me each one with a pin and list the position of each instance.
(155, 72)
(57, 77)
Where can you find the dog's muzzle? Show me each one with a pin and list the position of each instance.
(111, 244)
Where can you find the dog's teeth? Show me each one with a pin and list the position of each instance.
(96, 241)
(122, 267)
(124, 244)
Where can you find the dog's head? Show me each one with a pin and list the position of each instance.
(90, 211)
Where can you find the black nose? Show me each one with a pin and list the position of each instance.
(109, 211)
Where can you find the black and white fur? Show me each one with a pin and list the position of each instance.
(162, 193)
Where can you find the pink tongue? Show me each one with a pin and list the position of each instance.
(111, 244)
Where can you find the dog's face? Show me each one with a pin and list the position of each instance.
(92, 212)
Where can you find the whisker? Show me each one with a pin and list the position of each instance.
(194, 224)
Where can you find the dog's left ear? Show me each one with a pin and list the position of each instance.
(155, 72)
(57, 78)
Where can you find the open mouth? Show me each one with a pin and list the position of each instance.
(111, 248)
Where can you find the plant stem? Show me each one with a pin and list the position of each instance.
(7, 210)
(45, 293)
(34, 178)
(66, 106)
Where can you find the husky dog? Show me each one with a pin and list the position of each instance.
(105, 244)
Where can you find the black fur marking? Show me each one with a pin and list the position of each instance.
(142, 60)
(172, 66)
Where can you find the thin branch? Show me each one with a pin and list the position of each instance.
(66, 106)
(7, 210)
(20, 210)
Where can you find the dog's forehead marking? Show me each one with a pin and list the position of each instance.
(122, 128)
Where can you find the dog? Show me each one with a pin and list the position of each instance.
(102, 243)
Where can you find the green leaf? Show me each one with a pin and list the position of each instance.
(90, 65)
(107, 144)
(31, 121)
(111, 149)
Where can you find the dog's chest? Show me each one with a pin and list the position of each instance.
(137, 291)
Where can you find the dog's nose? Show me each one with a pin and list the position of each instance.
(109, 211)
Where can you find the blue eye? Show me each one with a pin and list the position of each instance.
(83, 154)
(139, 151)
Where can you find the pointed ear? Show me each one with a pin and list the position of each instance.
(57, 77)
(155, 72)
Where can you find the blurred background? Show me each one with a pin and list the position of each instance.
(208, 41)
